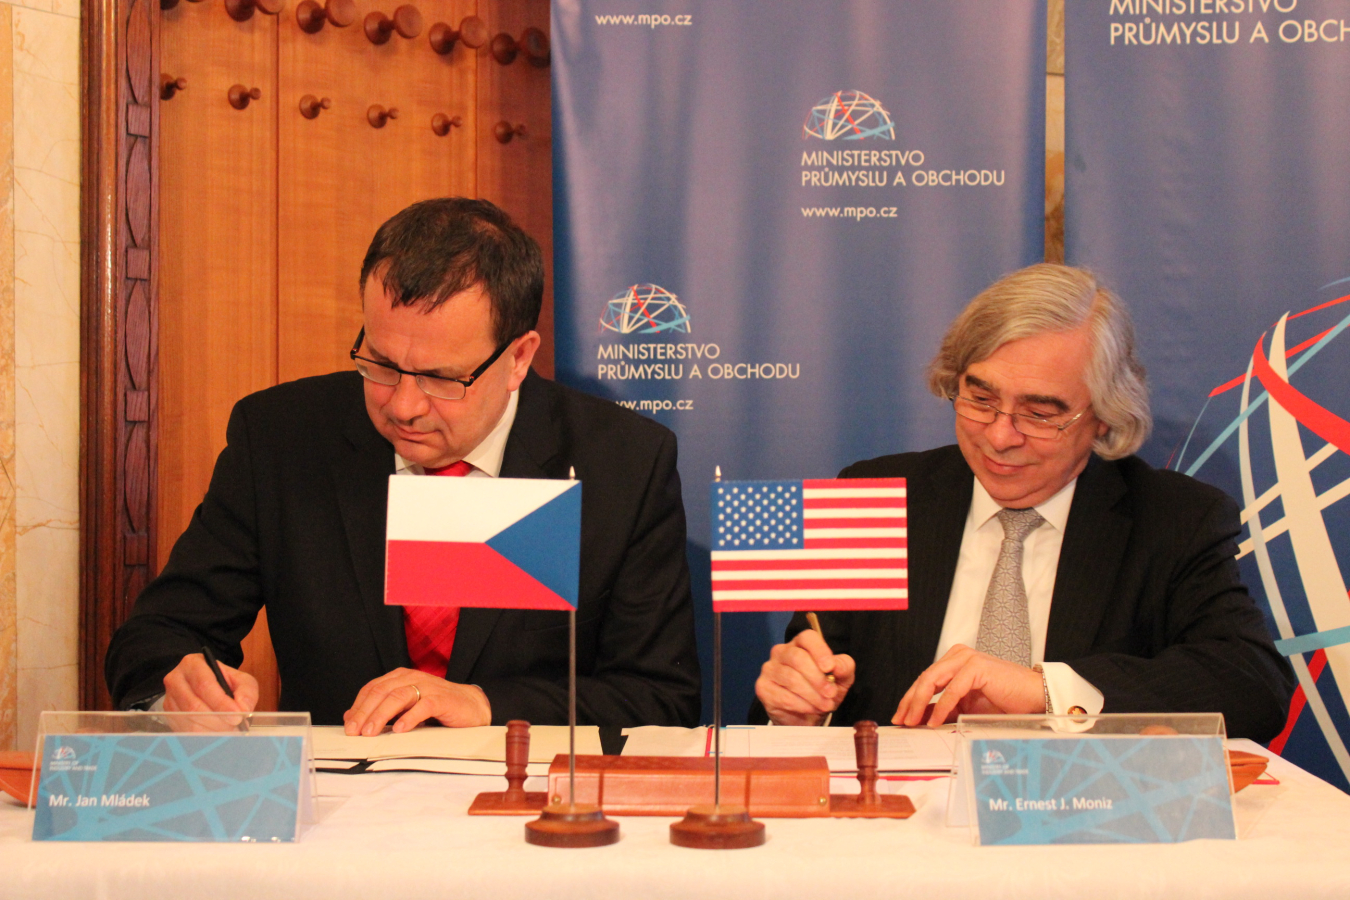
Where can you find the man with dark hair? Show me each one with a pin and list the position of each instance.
(1050, 570)
(294, 519)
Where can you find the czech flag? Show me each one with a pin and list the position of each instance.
(497, 542)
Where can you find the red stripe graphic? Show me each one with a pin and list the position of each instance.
(895, 503)
(821, 605)
(1296, 705)
(1326, 424)
(848, 484)
(454, 573)
(742, 565)
(854, 543)
(812, 523)
(812, 584)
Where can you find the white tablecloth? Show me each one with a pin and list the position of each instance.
(406, 836)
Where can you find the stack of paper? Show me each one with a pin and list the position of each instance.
(898, 749)
(459, 751)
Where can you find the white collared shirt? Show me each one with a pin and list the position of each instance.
(980, 543)
(486, 458)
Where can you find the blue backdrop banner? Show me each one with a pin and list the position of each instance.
(1207, 181)
(765, 214)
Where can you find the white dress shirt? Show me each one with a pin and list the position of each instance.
(980, 545)
(486, 458)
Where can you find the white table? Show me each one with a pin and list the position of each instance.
(406, 836)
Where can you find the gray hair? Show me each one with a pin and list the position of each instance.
(1047, 298)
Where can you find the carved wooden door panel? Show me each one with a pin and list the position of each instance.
(348, 169)
(517, 174)
(218, 226)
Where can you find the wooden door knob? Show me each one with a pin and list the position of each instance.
(168, 86)
(242, 10)
(472, 33)
(441, 123)
(310, 16)
(533, 44)
(407, 21)
(504, 131)
(311, 106)
(240, 96)
(377, 115)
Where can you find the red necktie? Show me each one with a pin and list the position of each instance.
(431, 629)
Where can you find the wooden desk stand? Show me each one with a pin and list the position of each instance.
(515, 800)
(868, 804)
(777, 787)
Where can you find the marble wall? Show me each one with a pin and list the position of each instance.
(39, 362)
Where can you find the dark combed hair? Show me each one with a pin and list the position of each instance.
(435, 249)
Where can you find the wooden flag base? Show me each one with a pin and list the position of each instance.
(577, 825)
(515, 800)
(717, 828)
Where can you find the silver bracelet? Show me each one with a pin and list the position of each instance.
(1045, 686)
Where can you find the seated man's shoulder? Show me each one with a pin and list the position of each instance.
(1168, 495)
(907, 465)
(318, 396)
(603, 420)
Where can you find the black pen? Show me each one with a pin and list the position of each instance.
(215, 670)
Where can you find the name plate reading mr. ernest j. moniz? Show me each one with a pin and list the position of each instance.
(171, 787)
(1101, 789)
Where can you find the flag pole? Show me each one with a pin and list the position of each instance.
(717, 694)
(716, 827)
(572, 692)
(571, 824)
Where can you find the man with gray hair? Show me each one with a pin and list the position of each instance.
(1050, 570)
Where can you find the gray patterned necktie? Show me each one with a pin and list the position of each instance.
(1005, 628)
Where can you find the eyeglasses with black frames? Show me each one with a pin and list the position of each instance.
(431, 385)
(1048, 429)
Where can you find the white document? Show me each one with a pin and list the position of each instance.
(898, 749)
(487, 742)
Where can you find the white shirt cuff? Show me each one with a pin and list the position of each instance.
(1069, 689)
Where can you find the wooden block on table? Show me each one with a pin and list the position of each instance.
(778, 787)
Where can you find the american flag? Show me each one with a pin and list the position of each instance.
(818, 544)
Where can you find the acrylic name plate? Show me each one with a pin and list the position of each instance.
(1095, 780)
(173, 777)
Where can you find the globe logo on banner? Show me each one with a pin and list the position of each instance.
(1293, 475)
(644, 309)
(848, 116)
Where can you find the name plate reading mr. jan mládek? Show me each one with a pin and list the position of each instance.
(242, 787)
(1100, 789)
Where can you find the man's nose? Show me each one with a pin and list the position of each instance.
(408, 401)
(1001, 434)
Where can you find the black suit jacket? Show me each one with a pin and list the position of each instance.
(294, 520)
(1148, 603)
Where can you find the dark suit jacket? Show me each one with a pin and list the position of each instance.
(1148, 603)
(294, 520)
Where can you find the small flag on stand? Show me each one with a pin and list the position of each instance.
(483, 542)
(818, 544)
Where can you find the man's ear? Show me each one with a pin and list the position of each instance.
(521, 355)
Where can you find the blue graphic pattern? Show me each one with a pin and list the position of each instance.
(1128, 790)
(197, 788)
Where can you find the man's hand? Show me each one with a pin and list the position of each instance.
(792, 684)
(414, 697)
(971, 682)
(191, 686)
